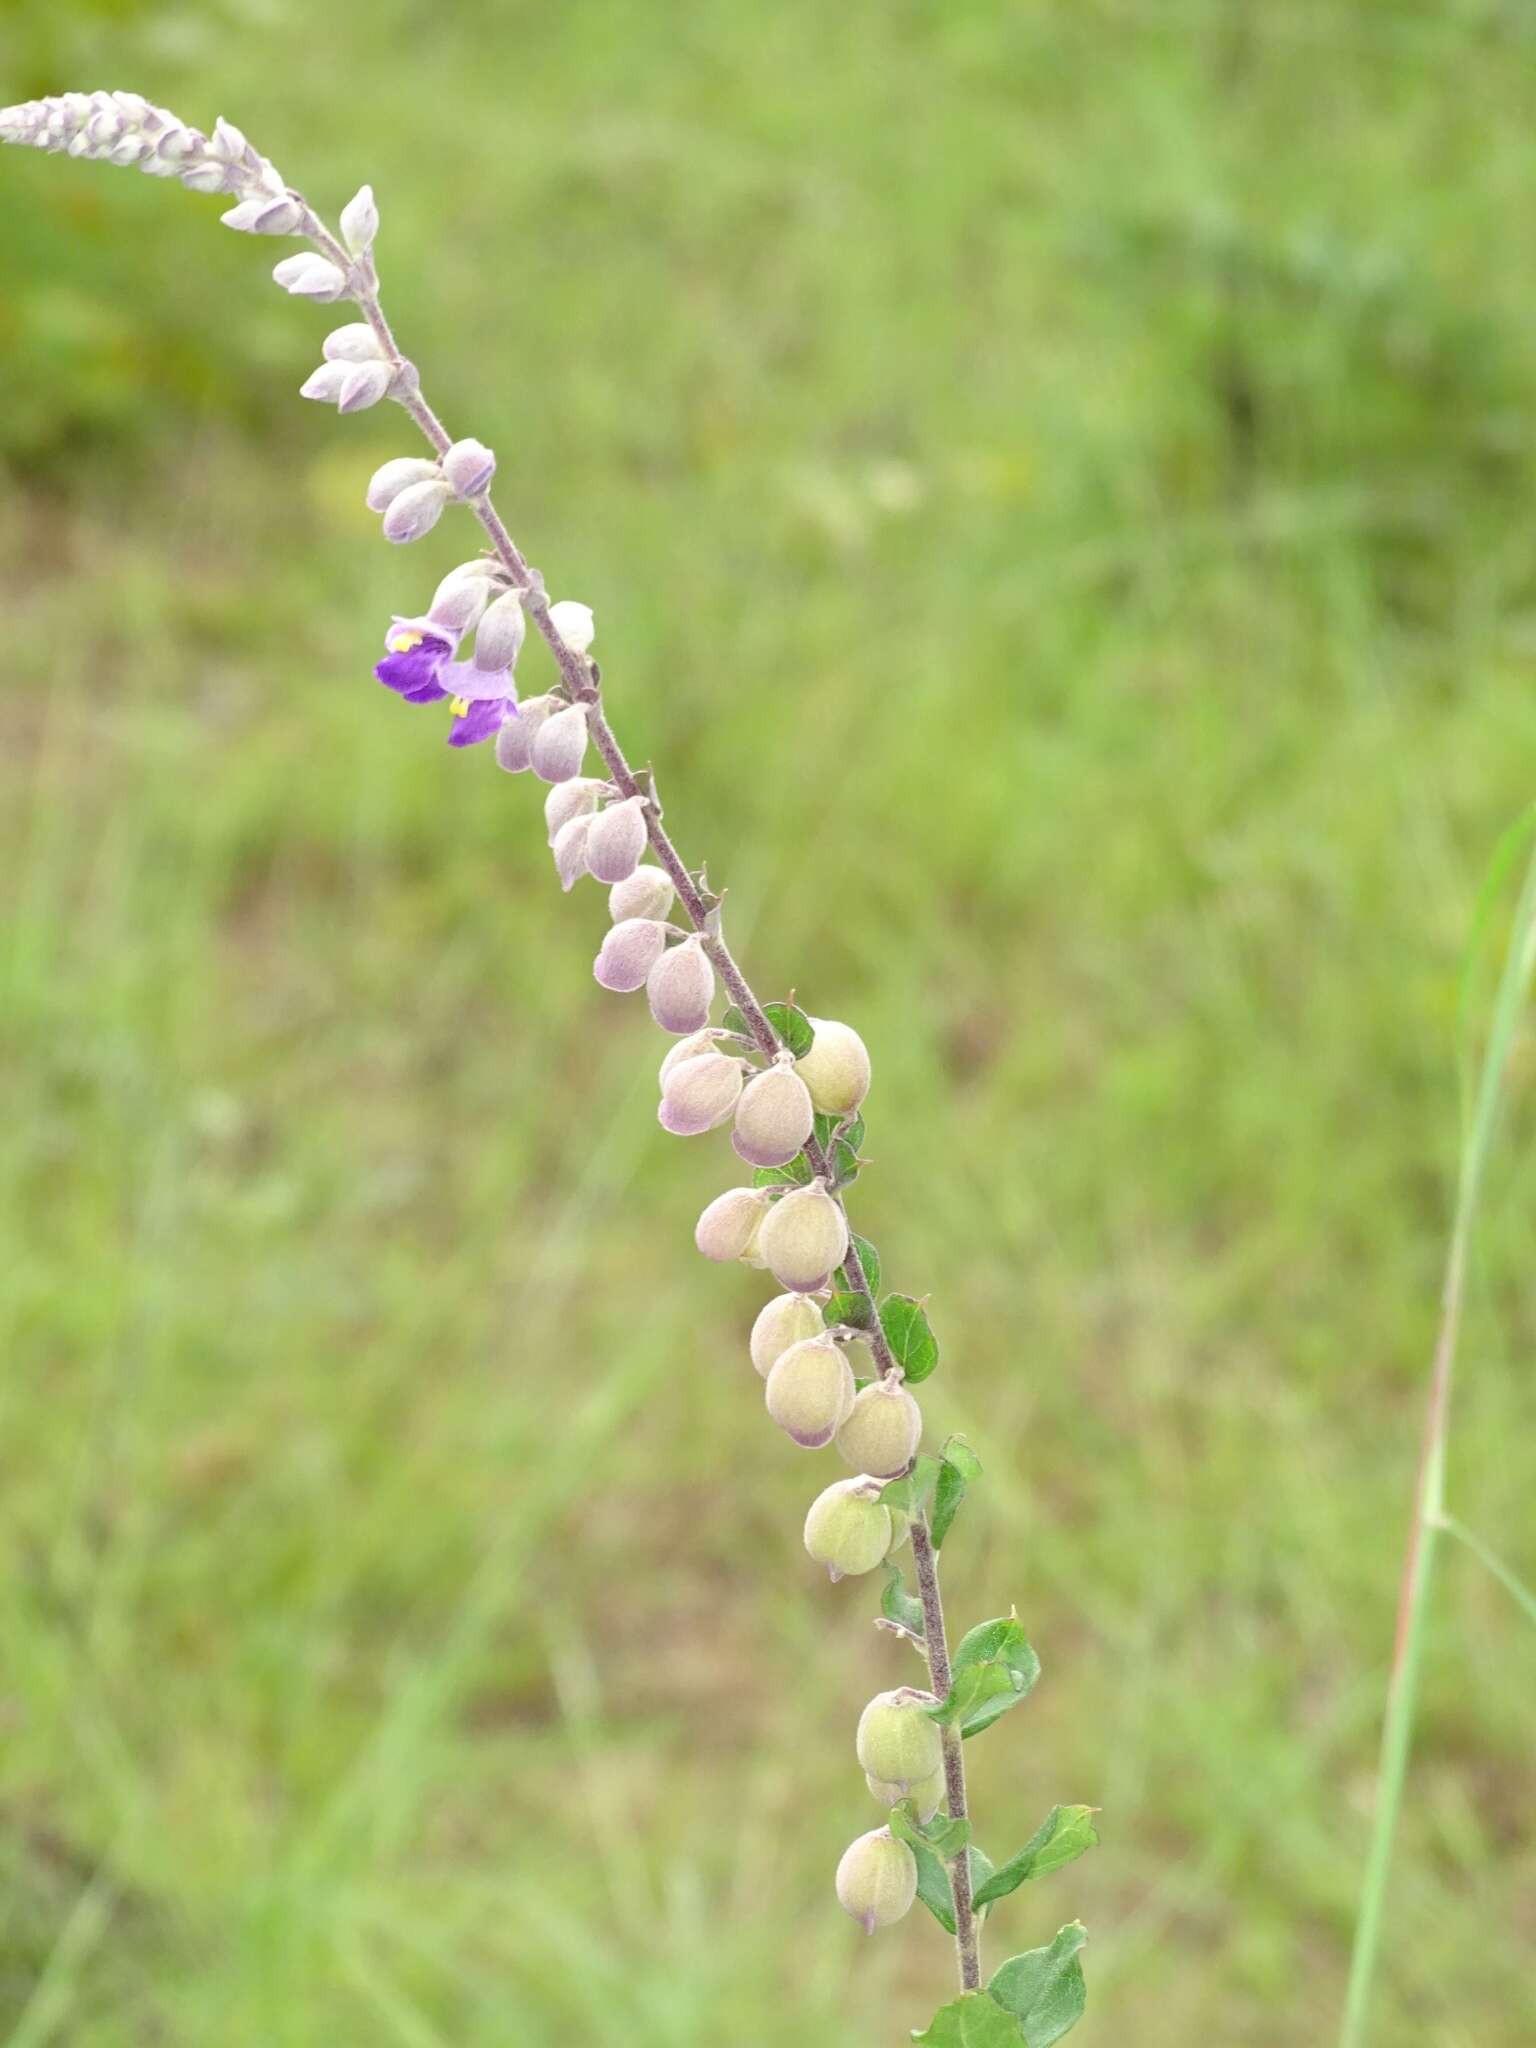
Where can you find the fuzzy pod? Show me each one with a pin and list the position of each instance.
(882, 1431)
(617, 841)
(357, 343)
(926, 1795)
(360, 221)
(363, 385)
(560, 744)
(805, 1239)
(836, 1069)
(570, 850)
(810, 1392)
(309, 277)
(646, 893)
(687, 1048)
(386, 484)
(628, 953)
(848, 1528)
(514, 743)
(469, 466)
(415, 511)
(265, 216)
(324, 384)
(728, 1227)
(574, 623)
(499, 639)
(774, 1118)
(877, 1880)
(681, 987)
(896, 1741)
(461, 597)
(699, 1093)
(787, 1319)
(574, 799)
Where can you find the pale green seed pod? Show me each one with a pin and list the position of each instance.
(699, 1094)
(804, 1239)
(773, 1118)
(645, 893)
(848, 1528)
(728, 1227)
(927, 1795)
(882, 1431)
(897, 1743)
(877, 1880)
(785, 1320)
(836, 1069)
(810, 1391)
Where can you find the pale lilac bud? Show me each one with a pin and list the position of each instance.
(787, 1319)
(646, 893)
(560, 744)
(461, 597)
(354, 343)
(469, 467)
(687, 1048)
(415, 511)
(810, 1391)
(896, 1741)
(364, 385)
(848, 1527)
(570, 851)
(628, 953)
(360, 221)
(226, 141)
(617, 842)
(681, 987)
(264, 216)
(307, 276)
(699, 1093)
(805, 1238)
(882, 1431)
(925, 1795)
(774, 1118)
(836, 1069)
(325, 383)
(500, 638)
(728, 1227)
(574, 799)
(877, 1880)
(387, 483)
(574, 623)
(514, 743)
(206, 176)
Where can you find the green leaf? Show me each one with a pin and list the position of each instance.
(945, 1837)
(797, 1174)
(975, 2020)
(962, 1457)
(1044, 1987)
(847, 1307)
(913, 1493)
(869, 1259)
(933, 1886)
(948, 1493)
(792, 1025)
(1060, 1838)
(913, 1344)
(993, 1669)
(973, 1693)
(898, 1605)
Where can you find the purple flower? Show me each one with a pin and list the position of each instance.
(419, 666)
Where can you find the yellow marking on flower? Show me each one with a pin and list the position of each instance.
(459, 707)
(402, 643)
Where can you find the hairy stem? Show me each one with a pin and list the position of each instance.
(581, 680)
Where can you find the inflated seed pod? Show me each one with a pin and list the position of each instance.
(927, 1795)
(785, 1320)
(773, 1118)
(804, 1239)
(628, 954)
(560, 746)
(848, 1528)
(574, 799)
(514, 743)
(699, 1094)
(836, 1069)
(645, 893)
(617, 841)
(681, 987)
(570, 850)
(810, 1391)
(728, 1227)
(877, 1880)
(687, 1048)
(882, 1431)
(897, 1742)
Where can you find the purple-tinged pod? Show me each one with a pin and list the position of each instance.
(469, 466)
(617, 841)
(646, 893)
(265, 216)
(570, 850)
(877, 1880)
(699, 1093)
(415, 511)
(363, 385)
(681, 987)
(774, 1118)
(560, 744)
(687, 1048)
(499, 640)
(309, 277)
(810, 1392)
(386, 483)
(896, 1742)
(805, 1239)
(882, 1431)
(836, 1069)
(324, 384)
(787, 1319)
(848, 1528)
(355, 343)
(728, 1227)
(628, 953)
(574, 799)
(926, 1795)
(514, 743)
(461, 597)
(360, 221)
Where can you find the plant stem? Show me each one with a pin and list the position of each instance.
(581, 681)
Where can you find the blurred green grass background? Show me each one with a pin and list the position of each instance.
(1055, 483)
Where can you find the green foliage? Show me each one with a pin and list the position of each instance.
(1061, 1837)
(796, 1174)
(1044, 1987)
(899, 1606)
(791, 1026)
(975, 2020)
(843, 1306)
(869, 1259)
(992, 1670)
(933, 1882)
(912, 1342)
(958, 1466)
